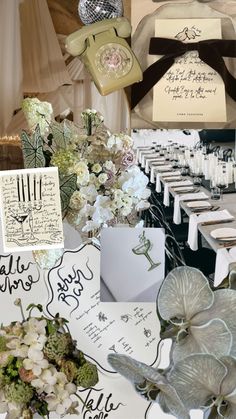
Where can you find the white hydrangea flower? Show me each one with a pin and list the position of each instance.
(37, 112)
(34, 325)
(46, 380)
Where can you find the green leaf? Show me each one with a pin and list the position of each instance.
(38, 306)
(61, 133)
(68, 185)
(32, 148)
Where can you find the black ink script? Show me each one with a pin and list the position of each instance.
(70, 286)
(16, 273)
(99, 406)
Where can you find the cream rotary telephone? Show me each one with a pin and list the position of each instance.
(106, 54)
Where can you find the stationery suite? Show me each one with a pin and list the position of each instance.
(166, 199)
(186, 197)
(31, 209)
(194, 220)
(190, 91)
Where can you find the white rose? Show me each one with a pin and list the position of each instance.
(82, 172)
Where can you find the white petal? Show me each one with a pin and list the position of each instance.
(213, 338)
(229, 383)
(197, 378)
(184, 293)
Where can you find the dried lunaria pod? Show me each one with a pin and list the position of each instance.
(202, 369)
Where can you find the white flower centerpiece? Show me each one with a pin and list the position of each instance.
(41, 368)
(202, 369)
(100, 183)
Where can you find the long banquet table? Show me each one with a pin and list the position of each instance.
(228, 203)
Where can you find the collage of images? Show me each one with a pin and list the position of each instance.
(118, 209)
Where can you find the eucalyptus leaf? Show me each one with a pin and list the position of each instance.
(32, 148)
(68, 185)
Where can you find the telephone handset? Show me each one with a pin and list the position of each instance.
(106, 54)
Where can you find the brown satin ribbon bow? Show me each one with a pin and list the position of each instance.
(210, 51)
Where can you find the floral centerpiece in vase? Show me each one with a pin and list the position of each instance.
(41, 368)
(100, 183)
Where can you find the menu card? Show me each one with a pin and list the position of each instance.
(100, 328)
(31, 209)
(190, 91)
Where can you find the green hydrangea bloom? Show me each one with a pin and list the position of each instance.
(64, 160)
(19, 392)
(87, 375)
(58, 346)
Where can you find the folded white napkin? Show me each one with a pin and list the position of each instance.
(166, 199)
(145, 156)
(155, 169)
(223, 260)
(185, 197)
(169, 174)
(194, 220)
(151, 160)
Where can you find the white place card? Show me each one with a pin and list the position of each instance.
(190, 91)
(31, 209)
(100, 328)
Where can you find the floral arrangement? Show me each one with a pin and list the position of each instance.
(202, 368)
(99, 180)
(41, 368)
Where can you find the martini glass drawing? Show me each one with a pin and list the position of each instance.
(143, 248)
(20, 218)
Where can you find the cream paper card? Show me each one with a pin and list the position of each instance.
(190, 91)
(31, 209)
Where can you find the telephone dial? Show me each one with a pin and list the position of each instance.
(106, 54)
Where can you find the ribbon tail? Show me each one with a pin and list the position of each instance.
(212, 57)
(150, 77)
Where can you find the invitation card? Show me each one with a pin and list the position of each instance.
(31, 209)
(190, 91)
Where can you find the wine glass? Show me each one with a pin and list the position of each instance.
(222, 182)
(143, 248)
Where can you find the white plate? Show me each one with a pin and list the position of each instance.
(199, 204)
(183, 188)
(224, 234)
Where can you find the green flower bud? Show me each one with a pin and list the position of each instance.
(3, 344)
(87, 375)
(19, 392)
(70, 369)
(58, 346)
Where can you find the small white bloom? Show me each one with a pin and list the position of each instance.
(96, 168)
(102, 178)
(109, 165)
(103, 212)
(77, 200)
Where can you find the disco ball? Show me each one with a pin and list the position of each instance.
(91, 11)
